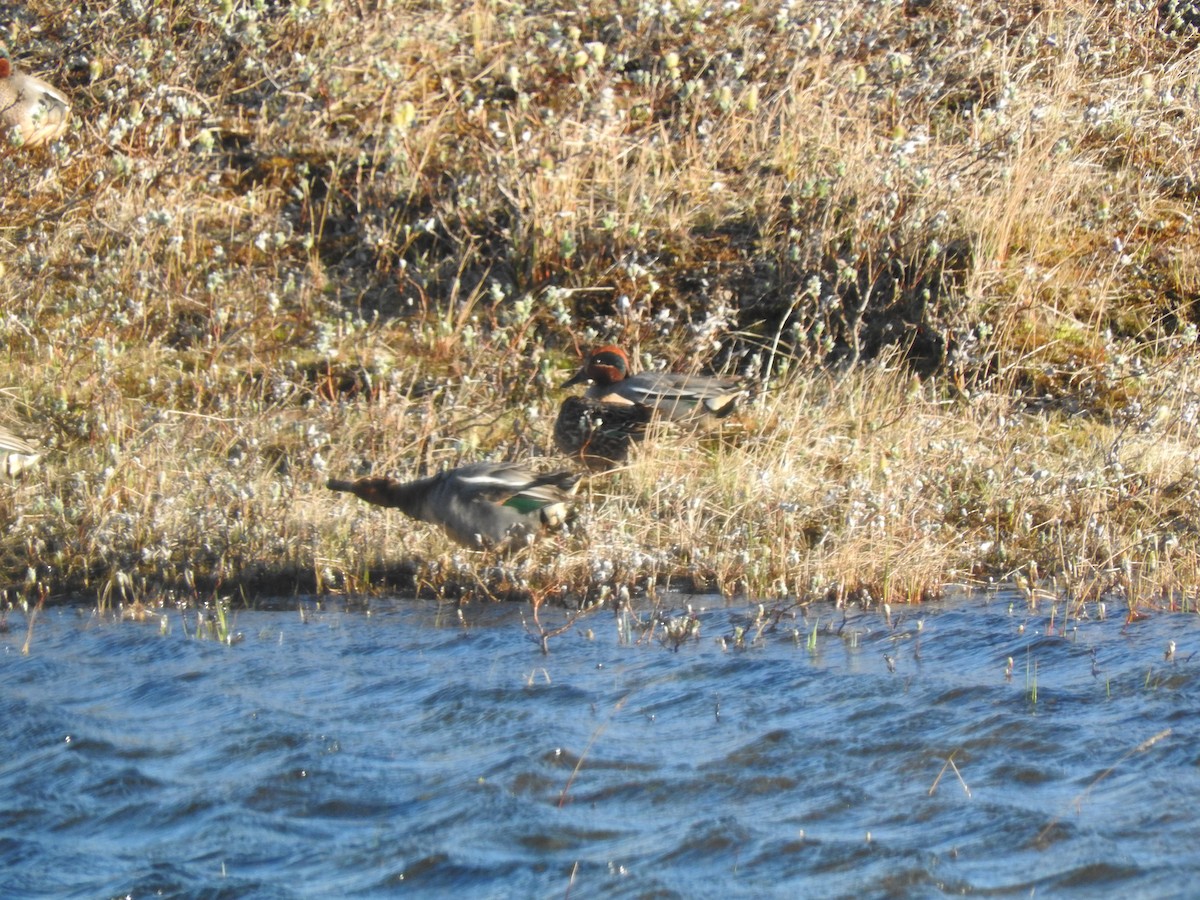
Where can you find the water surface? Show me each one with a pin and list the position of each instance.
(372, 751)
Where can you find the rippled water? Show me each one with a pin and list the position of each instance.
(355, 753)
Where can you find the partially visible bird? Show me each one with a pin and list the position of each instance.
(31, 111)
(481, 505)
(597, 433)
(676, 397)
(16, 455)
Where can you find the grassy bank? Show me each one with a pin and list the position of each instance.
(956, 250)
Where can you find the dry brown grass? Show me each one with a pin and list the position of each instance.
(286, 240)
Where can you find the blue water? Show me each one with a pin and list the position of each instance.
(369, 752)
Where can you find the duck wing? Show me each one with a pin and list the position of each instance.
(677, 396)
(486, 504)
(510, 484)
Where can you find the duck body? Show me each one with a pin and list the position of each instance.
(597, 433)
(16, 454)
(480, 505)
(37, 111)
(675, 397)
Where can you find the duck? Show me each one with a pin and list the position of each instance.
(29, 107)
(599, 433)
(677, 398)
(16, 454)
(481, 506)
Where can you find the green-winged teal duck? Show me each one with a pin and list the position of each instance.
(480, 505)
(676, 397)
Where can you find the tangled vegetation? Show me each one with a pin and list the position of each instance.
(953, 246)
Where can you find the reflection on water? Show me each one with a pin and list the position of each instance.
(348, 752)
